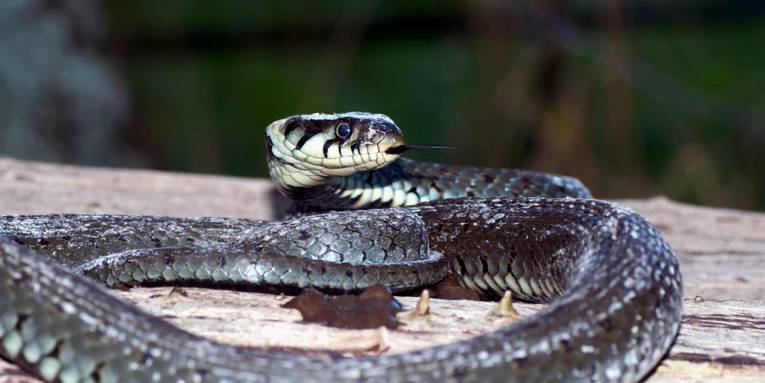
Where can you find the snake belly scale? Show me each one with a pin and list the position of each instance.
(613, 284)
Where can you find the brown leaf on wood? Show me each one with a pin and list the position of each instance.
(374, 307)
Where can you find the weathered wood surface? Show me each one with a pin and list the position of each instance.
(722, 257)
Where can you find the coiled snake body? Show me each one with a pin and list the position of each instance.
(613, 283)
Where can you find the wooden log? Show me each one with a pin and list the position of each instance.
(721, 252)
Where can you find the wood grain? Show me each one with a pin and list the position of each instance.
(722, 257)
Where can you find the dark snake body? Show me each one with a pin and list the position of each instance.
(417, 182)
(613, 282)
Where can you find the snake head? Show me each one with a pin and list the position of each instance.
(304, 150)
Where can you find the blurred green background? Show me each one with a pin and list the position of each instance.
(636, 98)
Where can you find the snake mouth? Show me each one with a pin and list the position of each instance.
(395, 150)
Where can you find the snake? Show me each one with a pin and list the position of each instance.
(611, 283)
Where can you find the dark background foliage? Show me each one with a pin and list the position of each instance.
(636, 98)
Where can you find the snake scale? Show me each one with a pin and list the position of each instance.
(612, 282)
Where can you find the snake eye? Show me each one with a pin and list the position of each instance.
(343, 130)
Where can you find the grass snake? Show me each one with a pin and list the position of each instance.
(612, 282)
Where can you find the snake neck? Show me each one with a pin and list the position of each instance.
(398, 184)
(407, 182)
